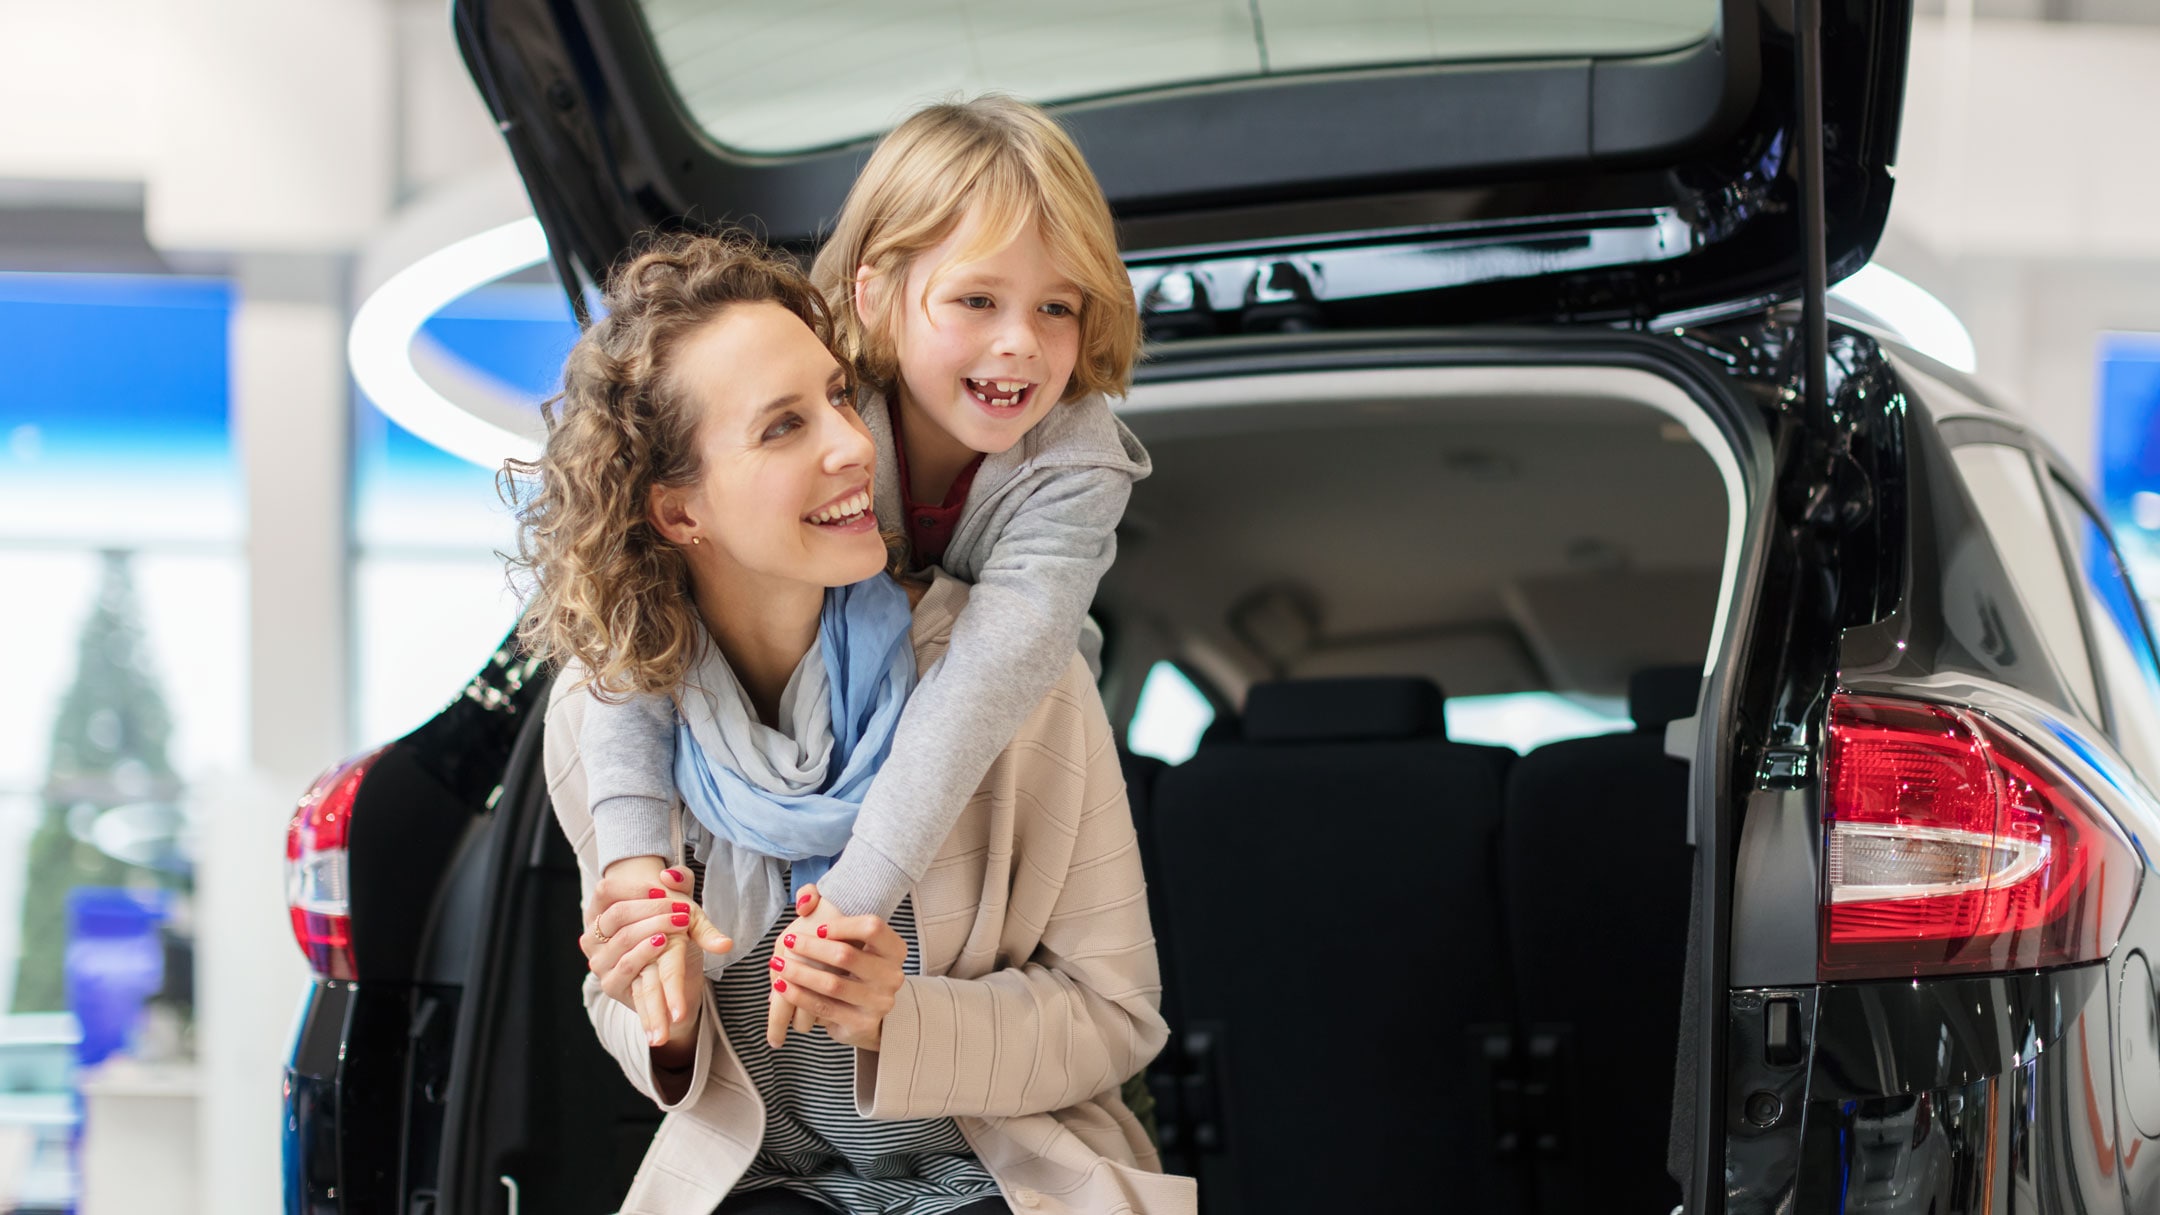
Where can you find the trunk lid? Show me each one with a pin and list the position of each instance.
(1567, 160)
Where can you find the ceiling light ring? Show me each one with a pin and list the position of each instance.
(379, 346)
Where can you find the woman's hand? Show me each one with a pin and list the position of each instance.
(846, 973)
(640, 940)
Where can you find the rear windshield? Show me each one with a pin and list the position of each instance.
(775, 78)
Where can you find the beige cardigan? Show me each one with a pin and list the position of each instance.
(1039, 986)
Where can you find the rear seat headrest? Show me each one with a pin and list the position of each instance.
(1344, 710)
(1224, 729)
(1663, 694)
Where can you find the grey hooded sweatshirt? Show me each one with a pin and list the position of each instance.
(1037, 533)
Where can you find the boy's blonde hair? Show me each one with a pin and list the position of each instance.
(1016, 163)
(607, 590)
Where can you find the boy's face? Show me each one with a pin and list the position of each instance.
(991, 349)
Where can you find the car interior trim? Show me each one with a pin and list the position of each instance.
(1439, 385)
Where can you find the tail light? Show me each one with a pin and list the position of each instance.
(1952, 847)
(318, 870)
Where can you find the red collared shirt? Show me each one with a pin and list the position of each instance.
(930, 526)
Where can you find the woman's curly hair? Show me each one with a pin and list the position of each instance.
(605, 588)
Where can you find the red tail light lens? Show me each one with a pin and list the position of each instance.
(1952, 847)
(318, 870)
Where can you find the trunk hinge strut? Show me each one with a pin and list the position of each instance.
(1766, 1089)
(1814, 232)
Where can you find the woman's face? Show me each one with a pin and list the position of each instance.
(784, 494)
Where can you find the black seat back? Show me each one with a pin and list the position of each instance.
(1596, 868)
(1141, 772)
(1165, 1074)
(1326, 879)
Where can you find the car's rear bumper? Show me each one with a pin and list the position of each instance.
(1942, 1095)
(312, 1106)
(1988, 1094)
(363, 1098)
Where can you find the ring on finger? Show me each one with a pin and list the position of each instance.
(599, 937)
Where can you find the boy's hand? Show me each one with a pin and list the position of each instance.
(811, 913)
(626, 963)
(636, 895)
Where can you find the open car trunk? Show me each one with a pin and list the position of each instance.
(1451, 940)
(1340, 536)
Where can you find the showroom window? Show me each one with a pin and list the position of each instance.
(1170, 717)
(430, 596)
(2128, 422)
(1529, 720)
(121, 548)
(1172, 714)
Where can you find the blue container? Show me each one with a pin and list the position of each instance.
(114, 963)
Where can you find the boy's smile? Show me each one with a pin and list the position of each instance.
(1001, 398)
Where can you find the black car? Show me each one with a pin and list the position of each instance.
(1487, 355)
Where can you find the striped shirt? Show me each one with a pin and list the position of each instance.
(815, 1143)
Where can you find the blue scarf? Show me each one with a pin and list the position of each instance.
(869, 668)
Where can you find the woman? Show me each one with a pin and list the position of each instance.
(968, 1053)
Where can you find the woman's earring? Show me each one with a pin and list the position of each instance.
(694, 540)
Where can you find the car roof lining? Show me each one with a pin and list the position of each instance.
(1569, 582)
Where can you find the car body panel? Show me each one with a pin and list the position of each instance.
(367, 1082)
(2135, 1069)
(1936, 1094)
(1962, 1094)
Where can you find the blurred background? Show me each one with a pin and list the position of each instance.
(232, 551)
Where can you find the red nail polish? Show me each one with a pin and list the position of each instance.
(821, 930)
(659, 938)
(803, 900)
(680, 909)
(679, 921)
(656, 893)
(674, 875)
(788, 940)
(779, 984)
(777, 964)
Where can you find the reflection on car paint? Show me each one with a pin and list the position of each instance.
(1949, 1127)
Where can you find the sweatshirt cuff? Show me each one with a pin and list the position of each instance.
(864, 881)
(700, 1063)
(631, 825)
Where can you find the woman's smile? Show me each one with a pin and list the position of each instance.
(848, 514)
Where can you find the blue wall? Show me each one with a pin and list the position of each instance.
(113, 407)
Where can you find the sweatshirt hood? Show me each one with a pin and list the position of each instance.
(1074, 435)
